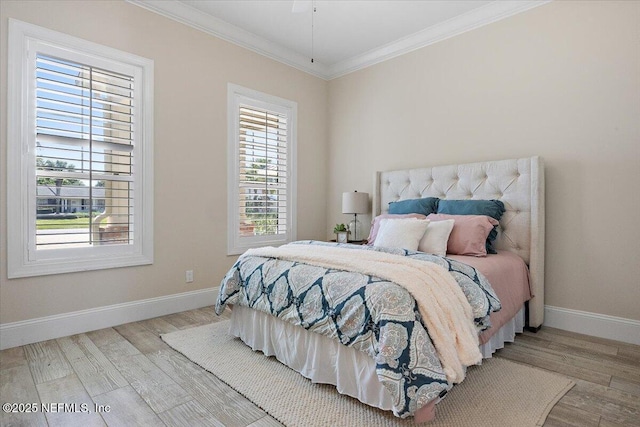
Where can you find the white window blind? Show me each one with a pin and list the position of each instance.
(262, 196)
(84, 155)
(261, 170)
(79, 154)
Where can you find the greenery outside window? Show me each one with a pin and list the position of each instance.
(79, 154)
(261, 168)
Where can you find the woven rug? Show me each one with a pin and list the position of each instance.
(496, 393)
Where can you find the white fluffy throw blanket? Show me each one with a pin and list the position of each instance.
(442, 304)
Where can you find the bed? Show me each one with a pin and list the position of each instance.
(347, 361)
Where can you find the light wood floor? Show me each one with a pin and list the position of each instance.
(146, 383)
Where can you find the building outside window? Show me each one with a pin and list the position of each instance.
(80, 154)
(262, 178)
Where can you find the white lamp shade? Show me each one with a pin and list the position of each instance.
(355, 203)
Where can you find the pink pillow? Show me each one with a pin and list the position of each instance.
(375, 224)
(469, 234)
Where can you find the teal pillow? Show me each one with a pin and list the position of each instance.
(492, 208)
(425, 206)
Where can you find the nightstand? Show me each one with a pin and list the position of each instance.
(353, 242)
(357, 242)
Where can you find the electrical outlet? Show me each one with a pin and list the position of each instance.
(189, 276)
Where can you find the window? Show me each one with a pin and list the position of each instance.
(80, 193)
(262, 179)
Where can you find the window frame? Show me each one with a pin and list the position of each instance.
(237, 96)
(23, 259)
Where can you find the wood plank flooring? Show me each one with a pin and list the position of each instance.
(146, 383)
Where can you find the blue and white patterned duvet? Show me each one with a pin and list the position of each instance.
(367, 313)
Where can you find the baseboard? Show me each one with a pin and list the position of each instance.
(594, 324)
(61, 325)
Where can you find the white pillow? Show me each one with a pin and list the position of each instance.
(401, 233)
(435, 239)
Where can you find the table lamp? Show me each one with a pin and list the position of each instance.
(355, 203)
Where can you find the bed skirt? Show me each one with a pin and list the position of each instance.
(506, 333)
(351, 371)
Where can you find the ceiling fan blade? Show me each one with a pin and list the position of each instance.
(301, 6)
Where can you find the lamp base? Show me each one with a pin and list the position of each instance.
(355, 227)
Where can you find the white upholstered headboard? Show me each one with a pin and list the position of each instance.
(518, 183)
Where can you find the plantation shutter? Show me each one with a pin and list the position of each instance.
(84, 155)
(262, 180)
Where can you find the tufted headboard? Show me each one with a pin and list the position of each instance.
(518, 183)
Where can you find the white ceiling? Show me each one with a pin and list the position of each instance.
(347, 35)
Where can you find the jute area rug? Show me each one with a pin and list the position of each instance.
(497, 393)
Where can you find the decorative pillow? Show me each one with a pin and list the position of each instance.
(469, 234)
(435, 239)
(401, 233)
(492, 208)
(375, 224)
(425, 206)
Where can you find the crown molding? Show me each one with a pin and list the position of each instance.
(199, 20)
(471, 20)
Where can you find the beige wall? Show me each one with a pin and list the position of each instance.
(192, 70)
(561, 81)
